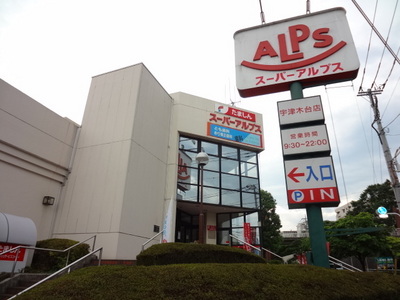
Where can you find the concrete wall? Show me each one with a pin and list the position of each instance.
(116, 188)
(35, 152)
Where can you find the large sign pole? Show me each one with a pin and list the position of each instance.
(314, 211)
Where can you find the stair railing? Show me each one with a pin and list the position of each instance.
(258, 249)
(66, 268)
(343, 264)
(18, 248)
(152, 238)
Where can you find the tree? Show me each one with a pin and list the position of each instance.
(374, 196)
(362, 242)
(271, 223)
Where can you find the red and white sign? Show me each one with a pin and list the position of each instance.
(311, 181)
(234, 112)
(247, 236)
(10, 256)
(313, 49)
(299, 111)
(306, 139)
(183, 171)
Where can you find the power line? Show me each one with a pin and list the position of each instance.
(368, 49)
(383, 51)
(377, 32)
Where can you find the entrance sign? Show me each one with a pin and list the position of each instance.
(307, 139)
(311, 181)
(313, 49)
(304, 110)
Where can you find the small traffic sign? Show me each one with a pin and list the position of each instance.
(382, 210)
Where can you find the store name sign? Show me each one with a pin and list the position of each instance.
(235, 125)
(313, 49)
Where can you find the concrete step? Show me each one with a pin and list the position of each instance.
(19, 283)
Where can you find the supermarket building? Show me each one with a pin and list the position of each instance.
(130, 171)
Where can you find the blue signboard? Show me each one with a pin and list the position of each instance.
(235, 135)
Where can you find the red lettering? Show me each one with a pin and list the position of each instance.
(296, 39)
(264, 48)
(321, 35)
(283, 51)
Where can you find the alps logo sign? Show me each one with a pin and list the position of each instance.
(312, 49)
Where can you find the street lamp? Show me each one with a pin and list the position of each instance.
(202, 160)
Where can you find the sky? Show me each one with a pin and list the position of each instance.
(50, 50)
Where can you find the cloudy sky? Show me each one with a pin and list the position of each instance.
(50, 49)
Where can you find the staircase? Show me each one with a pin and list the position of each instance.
(12, 286)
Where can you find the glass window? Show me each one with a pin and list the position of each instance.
(209, 148)
(223, 237)
(252, 219)
(230, 198)
(229, 152)
(211, 178)
(230, 177)
(213, 163)
(250, 185)
(188, 144)
(250, 200)
(237, 220)
(189, 195)
(230, 182)
(224, 220)
(187, 158)
(248, 156)
(210, 195)
(249, 170)
(229, 166)
(187, 175)
(237, 232)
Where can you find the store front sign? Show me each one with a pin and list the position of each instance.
(313, 49)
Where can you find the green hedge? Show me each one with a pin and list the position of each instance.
(49, 261)
(182, 253)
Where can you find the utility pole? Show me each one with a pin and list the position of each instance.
(390, 161)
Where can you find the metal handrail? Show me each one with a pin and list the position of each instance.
(45, 249)
(152, 238)
(344, 265)
(62, 270)
(258, 249)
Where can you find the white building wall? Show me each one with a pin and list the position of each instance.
(36, 146)
(116, 188)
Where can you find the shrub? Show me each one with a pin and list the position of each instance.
(182, 253)
(48, 261)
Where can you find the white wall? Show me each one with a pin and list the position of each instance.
(117, 183)
(35, 151)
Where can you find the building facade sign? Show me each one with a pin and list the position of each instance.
(313, 49)
(235, 125)
(235, 112)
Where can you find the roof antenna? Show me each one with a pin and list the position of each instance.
(308, 7)
(262, 13)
